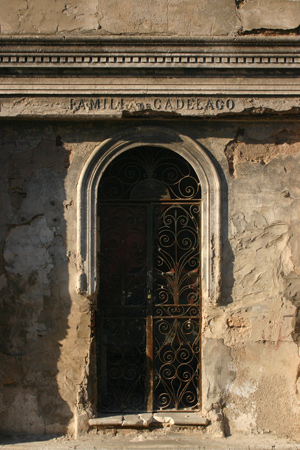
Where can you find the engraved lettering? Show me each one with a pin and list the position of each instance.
(200, 104)
(209, 105)
(190, 103)
(199, 107)
(157, 103)
(220, 104)
(168, 104)
(130, 106)
(81, 104)
(179, 103)
(112, 104)
(72, 103)
(230, 104)
(94, 104)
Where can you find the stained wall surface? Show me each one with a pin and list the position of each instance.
(250, 372)
(250, 339)
(159, 18)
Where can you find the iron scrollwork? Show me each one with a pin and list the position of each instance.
(177, 307)
(149, 173)
(148, 319)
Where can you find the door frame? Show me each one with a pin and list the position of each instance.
(202, 162)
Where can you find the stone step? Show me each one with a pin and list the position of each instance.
(144, 420)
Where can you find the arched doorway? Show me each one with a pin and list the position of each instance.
(149, 304)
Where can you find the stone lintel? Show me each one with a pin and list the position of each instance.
(92, 107)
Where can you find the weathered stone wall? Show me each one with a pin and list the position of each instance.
(250, 340)
(155, 17)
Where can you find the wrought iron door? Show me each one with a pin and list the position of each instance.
(148, 318)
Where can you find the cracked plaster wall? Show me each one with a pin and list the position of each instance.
(250, 340)
(137, 17)
(262, 303)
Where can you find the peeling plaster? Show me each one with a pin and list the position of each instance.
(250, 339)
(269, 14)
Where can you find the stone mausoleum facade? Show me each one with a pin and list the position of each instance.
(150, 209)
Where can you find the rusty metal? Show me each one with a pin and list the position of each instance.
(148, 318)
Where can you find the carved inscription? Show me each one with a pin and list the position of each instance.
(179, 104)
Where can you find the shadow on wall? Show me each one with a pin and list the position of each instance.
(34, 281)
(35, 302)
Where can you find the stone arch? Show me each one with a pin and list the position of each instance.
(200, 160)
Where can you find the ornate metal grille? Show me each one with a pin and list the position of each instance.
(148, 318)
(149, 173)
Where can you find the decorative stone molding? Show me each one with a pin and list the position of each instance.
(28, 52)
(194, 60)
(196, 155)
(57, 77)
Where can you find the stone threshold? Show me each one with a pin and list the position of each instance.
(145, 420)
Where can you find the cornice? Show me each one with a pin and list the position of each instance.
(114, 77)
(126, 53)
